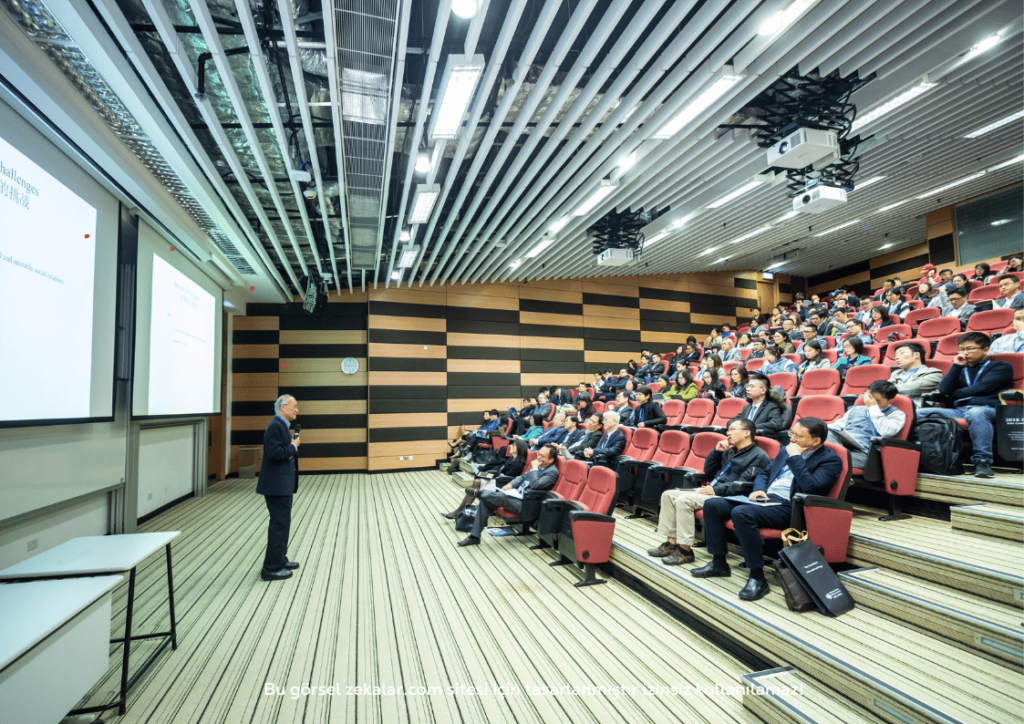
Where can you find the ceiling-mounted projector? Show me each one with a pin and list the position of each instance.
(615, 257)
(818, 199)
(804, 148)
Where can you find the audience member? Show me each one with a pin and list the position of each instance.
(774, 362)
(744, 342)
(855, 328)
(711, 387)
(877, 417)
(738, 378)
(542, 476)
(803, 466)
(1011, 342)
(499, 472)
(764, 408)
(879, 321)
(974, 383)
(684, 387)
(584, 406)
(553, 435)
(729, 352)
(895, 307)
(982, 273)
(954, 304)
(733, 460)
(647, 412)
(913, 379)
(1013, 298)
(591, 437)
(758, 349)
(781, 342)
(611, 444)
(814, 359)
(790, 329)
(624, 409)
(852, 356)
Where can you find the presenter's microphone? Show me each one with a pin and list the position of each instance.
(297, 428)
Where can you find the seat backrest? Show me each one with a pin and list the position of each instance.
(546, 424)
(673, 447)
(754, 364)
(674, 411)
(915, 304)
(628, 433)
(745, 353)
(858, 379)
(997, 266)
(820, 382)
(831, 354)
(874, 352)
(769, 445)
(828, 342)
(700, 447)
(904, 404)
(727, 366)
(599, 407)
(894, 333)
(727, 409)
(793, 357)
(642, 444)
(699, 412)
(598, 494)
(947, 347)
(655, 387)
(945, 365)
(573, 391)
(571, 478)
(919, 315)
(938, 327)
(983, 294)
(828, 407)
(530, 457)
(994, 320)
(1017, 362)
(842, 483)
(786, 380)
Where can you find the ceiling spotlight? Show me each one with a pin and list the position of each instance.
(405, 235)
(423, 163)
(309, 191)
(627, 162)
(465, 9)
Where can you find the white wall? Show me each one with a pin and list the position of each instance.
(47, 530)
(165, 466)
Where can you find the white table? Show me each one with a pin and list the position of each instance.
(99, 555)
(53, 645)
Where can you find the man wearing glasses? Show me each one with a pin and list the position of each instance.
(974, 383)
(278, 482)
(542, 476)
(913, 378)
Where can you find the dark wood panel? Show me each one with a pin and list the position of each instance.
(404, 434)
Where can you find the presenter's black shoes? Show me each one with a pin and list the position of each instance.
(983, 469)
(469, 541)
(275, 575)
(711, 571)
(754, 590)
(291, 565)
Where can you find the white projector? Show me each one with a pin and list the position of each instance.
(803, 148)
(818, 199)
(615, 257)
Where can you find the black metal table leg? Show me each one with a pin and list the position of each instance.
(170, 599)
(122, 705)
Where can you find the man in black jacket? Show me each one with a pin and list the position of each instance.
(542, 476)
(733, 460)
(278, 482)
(803, 466)
(766, 414)
(974, 384)
(580, 445)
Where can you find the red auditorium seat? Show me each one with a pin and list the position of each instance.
(828, 407)
(946, 348)
(599, 406)
(673, 447)
(674, 411)
(820, 382)
(641, 448)
(655, 387)
(753, 365)
(794, 358)
(915, 304)
(509, 516)
(769, 445)
(786, 380)
(654, 485)
(1017, 362)
(994, 320)
(698, 413)
(986, 293)
(745, 353)
(828, 342)
(582, 530)
(893, 462)
(997, 266)
(916, 316)
(831, 354)
(942, 364)
(726, 411)
(894, 333)
(858, 379)
(931, 330)
(727, 366)
(873, 351)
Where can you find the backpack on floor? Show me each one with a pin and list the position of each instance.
(941, 442)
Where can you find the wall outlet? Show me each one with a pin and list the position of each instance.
(33, 544)
(405, 457)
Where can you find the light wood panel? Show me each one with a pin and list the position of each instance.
(437, 448)
(546, 379)
(408, 378)
(290, 365)
(483, 365)
(592, 311)
(406, 295)
(323, 336)
(480, 404)
(253, 394)
(313, 435)
(509, 291)
(255, 351)
(323, 379)
(255, 379)
(414, 324)
(665, 306)
(460, 339)
(550, 295)
(567, 343)
(255, 323)
(401, 419)
(560, 320)
(410, 351)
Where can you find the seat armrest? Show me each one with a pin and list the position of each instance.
(586, 515)
(821, 501)
(541, 495)
(894, 442)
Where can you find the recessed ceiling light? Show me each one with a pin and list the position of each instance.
(558, 225)
(884, 246)
(458, 82)
(720, 260)
(465, 9)
(865, 184)
(694, 108)
(892, 206)
(603, 191)
(901, 99)
(958, 182)
(536, 251)
(1004, 164)
(515, 264)
(750, 234)
(735, 194)
(837, 228)
(998, 124)
(627, 162)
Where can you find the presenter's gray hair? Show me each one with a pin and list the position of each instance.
(280, 402)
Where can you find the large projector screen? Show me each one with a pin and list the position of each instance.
(178, 329)
(56, 336)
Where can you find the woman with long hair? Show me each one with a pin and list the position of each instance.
(738, 378)
(813, 358)
(879, 320)
(780, 340)
(684, 387)
(711, 387)
(510, 467)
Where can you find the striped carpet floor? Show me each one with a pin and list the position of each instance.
(384, 598)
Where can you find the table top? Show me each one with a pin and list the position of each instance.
(35, 609)
(92, 555)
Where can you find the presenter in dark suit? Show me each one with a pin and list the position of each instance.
(278, 482)
(803, 466)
